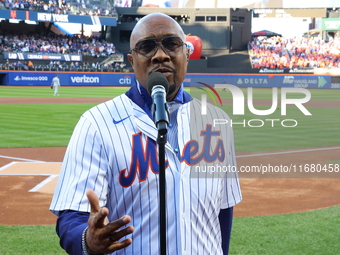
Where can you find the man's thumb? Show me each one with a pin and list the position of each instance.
(94, 201)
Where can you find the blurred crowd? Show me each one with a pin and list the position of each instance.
(76, 66)
(281, 53)
(76, 7)
(64, 66)
(56, 44)
(24, 65)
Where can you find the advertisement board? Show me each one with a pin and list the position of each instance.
(127, 79)
(70, 79)
(330, 24)
(41, 56)
(265, 81)
(54, 17)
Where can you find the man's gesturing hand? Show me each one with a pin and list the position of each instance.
(103, 236)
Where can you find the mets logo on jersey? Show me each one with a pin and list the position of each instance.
(145, 156)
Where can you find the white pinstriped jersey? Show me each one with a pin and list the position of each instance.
(113, 151)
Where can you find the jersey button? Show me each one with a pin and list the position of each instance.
(170, 125)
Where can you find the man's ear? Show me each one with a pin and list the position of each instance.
(130, 58)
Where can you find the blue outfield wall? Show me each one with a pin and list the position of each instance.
(265, 81)
(126, 79)
(68, 79)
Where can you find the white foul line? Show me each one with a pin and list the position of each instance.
(23, 159)
(286, 152)
(41, 184)
(8, 165)
(53, 176)
(49, 178)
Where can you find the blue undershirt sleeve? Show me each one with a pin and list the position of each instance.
(70, 227)
(226, 218)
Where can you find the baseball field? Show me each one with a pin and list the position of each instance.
(290, 177)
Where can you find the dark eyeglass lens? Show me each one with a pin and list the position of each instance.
(172, 43)
(146, 46)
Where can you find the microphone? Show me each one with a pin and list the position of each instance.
(158, 86)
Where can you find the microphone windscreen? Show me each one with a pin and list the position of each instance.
(157, 78)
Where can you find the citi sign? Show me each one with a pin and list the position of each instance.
(126, 80)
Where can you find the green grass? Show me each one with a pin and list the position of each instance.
(314, 232)
(333, 161)
(37, 125)
(29, 240)
(46, 91)
(320, 129)
(108, 92)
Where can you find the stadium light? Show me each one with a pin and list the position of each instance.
(16, 21)
(30, 22)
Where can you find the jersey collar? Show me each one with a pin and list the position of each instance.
(139, 95)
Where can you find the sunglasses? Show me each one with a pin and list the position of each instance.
(171, 45)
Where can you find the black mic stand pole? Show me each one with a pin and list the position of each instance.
(161, 141)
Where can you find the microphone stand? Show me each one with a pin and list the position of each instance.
(161, 141)
(159, 86)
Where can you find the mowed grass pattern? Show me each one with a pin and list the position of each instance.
(38, 125)
(319, 130)
(67, 91)
(314, 232)
(52, 124)
(254, 133)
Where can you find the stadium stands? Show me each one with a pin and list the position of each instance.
(80, 7)
(61, 44)
(95, 67)
(304, 52)
(99, 55)
(92, 49)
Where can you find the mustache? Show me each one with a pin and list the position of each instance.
(162, 66)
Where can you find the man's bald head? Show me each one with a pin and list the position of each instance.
(146, 23)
